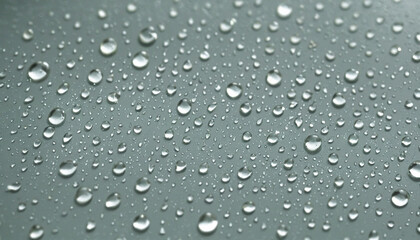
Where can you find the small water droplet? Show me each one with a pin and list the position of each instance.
(67, 168)
(83, 196)
(141, 223)
(234, 90)
(273, 78)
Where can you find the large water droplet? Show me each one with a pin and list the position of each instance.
(67, 168)
(399, 198)
(56, 117)
(234, 90)
(36, 232)
(312, 144)
(108, 46)
(148, 36)
(113, 201)
(83, 196)
(351, 76)
(248, 207)
(207, 223)
(140, 60)
(184, 107)
(141, 223)
(142, 185)
(338, 100)
(38, 71)
(273, 78)
(284, 11)
(414, 170)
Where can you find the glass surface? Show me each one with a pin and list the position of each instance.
(209, 119)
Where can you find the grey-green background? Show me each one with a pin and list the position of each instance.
(220, 145)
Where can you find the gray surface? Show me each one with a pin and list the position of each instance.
(56, 210)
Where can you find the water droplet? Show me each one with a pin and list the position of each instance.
(113, 201)
(184, 107)
(351, 76)
(333, 158)
(399, 198)
(38, 71)
(414, 170)
(282, 231)
(234, 90)
(141, 223)
(28, 35)
(142, 185)
(248, 207)
(273, 78)
(312, 144)
(108, 46)
(284, 11)
(338, 100)
(83, 196)
(119, 168)
(140, 60)
(148, 36)
(207, 223)
(244, 173)
(36, 232)
(56, 117)
(67, 168)
(416, 57)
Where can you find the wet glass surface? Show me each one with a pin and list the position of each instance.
(210, 119)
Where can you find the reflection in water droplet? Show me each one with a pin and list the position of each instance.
(207, 223)
(312, 144)
(273, 78)
(282, 231)
(141, 223)
(108, 47)
(338, 100)
(234, 90)
(142, 185)
(414, 170)
(184, 107)
(284, 11)
(36, 232)
(244, 173)
(56, 117)
(95, 77)
(67, 168)
(148, 36)
(140, 60)
(351, 75)
(248, 207)
(399, 198)
(38, 71)
(83, 196)
(113, 201)
(28, 35)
